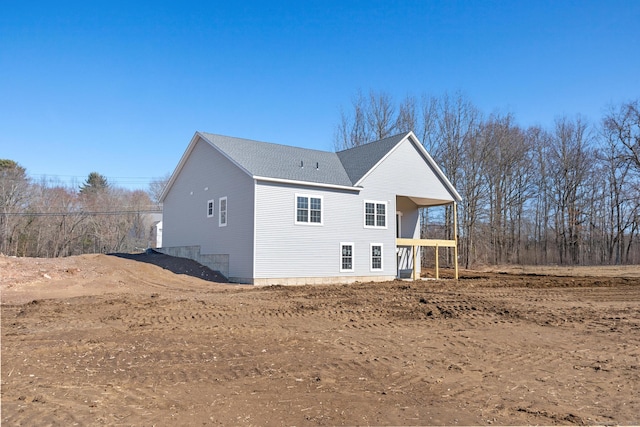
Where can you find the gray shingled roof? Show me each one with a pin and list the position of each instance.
(302, 164)
(357, 161)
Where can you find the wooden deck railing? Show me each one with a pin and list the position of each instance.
(436, 243)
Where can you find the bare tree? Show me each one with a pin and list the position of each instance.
(14, 197)
(372, 118)
(570, 160)
(620, 195)
(58, 221)
(407, 119)
(454, 123)
(529, 196)
(473, 185)
(508, 177)
(157, 186)
(624, 125)
(540, 143)
(381, 115)
(353, 129)
(426, 129)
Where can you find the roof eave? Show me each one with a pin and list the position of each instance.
(307, 183)
(185, 156)
(435, 166)
(176, 171)
(414, 140)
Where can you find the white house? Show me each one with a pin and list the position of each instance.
(266, 213)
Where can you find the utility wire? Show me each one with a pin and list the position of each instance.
(83, 213)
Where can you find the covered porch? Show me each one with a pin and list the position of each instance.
(408, 240)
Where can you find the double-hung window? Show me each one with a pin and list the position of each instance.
(210, 209)
(308, 209)
(222, 212)
(375, 214)
(346, 257)
(376, 257)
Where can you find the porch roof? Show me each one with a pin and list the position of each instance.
(427, 202)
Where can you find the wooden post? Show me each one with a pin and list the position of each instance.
(415, 262)
(455, 237)
(437, 264)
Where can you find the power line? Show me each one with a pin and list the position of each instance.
(84, 213)
(74, 180)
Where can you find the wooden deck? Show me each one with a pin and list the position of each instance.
(436, 243)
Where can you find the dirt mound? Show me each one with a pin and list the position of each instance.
(25, 279)
(176, 265)
(108, 340)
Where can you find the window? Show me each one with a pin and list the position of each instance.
(209, 208)
(346, 257)
(376, 257)
(222, 214)
(308, 210)
(375, 214)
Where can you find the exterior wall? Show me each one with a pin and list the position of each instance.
(287, 252)
(406, 173)
(208, 175)
(306, 253)
(403, 173)
(410, 229)
(215, 262)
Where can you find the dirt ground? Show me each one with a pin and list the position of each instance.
(107, 340)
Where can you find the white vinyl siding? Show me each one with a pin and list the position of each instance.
(288, 249)
(309, 209)
(209, 208)
(346, 257)
(207, 176)
(222, 212)
(376, 257)
(375, 214)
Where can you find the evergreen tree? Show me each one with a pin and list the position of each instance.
(95, 183)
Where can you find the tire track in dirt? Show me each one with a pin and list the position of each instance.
(391, 353)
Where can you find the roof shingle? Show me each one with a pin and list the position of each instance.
(264, 159)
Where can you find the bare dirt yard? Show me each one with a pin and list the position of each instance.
(115, 340)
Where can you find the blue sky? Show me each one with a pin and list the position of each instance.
(120, 87)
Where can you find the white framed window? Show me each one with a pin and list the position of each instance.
(209, 208)
(309, 209)
(346, 257)
(222, 212)
(375, 214)
(375, 253)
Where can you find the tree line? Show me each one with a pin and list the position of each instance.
(44, 219)
(568, 194)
